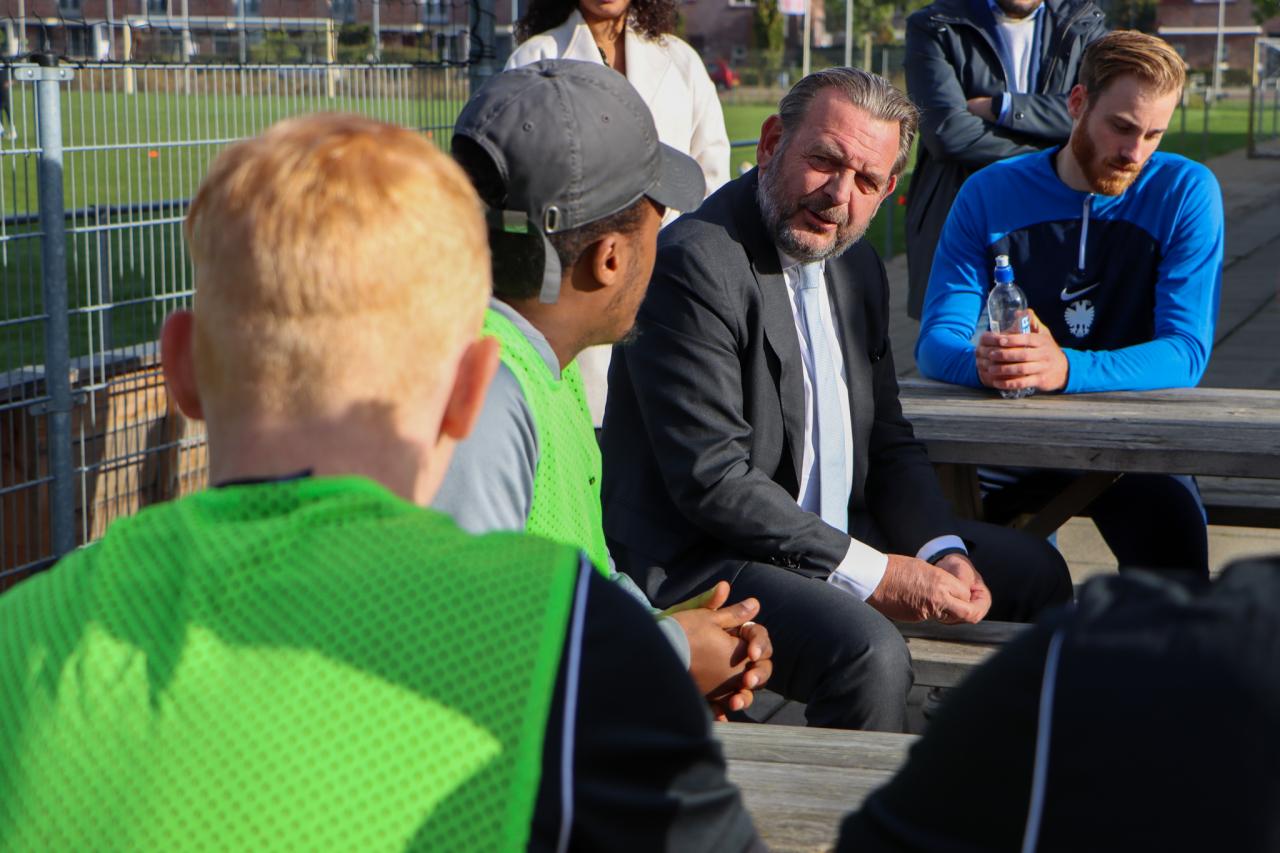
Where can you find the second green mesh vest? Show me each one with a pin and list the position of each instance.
(566, 483)
(304, 665)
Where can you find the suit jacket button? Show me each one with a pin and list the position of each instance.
(1018, 116)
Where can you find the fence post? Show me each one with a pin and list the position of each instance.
(1204, 133)
(107, 290)
(48, 78)
(481, 55)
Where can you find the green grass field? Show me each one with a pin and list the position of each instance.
(160, 142)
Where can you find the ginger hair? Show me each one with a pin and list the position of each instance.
(1128, 52)
(338, 260)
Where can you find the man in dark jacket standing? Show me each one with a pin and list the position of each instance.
(991, 79)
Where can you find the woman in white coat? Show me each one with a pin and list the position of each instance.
(634, 37)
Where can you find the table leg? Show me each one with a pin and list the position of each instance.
(1068, 504)
(960, 486)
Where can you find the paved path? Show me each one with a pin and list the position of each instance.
(1246, 350)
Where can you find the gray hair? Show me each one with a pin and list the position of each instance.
(866, 91)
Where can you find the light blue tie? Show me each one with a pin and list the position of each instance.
(830, 465)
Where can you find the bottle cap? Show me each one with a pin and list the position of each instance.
(1004, 272)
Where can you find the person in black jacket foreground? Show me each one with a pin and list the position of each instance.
(991, 79)
(1142, 718)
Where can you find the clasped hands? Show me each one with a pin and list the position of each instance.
(729, 655)
(950, 592)
(1008, 362)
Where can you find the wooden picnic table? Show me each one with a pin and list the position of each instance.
(799, 783)
(1208, 432)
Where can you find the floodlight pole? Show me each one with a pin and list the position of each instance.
(808, 36)
(848, 33)
(242, 31)
(1217, 53)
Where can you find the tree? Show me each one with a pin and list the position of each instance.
(868, 17)
(1265, 10)
(767, 32)
(1131, 14)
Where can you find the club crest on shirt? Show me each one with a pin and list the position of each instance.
(1079, 317)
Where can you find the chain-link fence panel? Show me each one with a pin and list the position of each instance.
(1264, 106)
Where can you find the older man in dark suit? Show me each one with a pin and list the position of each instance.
(753, 431)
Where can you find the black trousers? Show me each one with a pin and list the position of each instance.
(1149, 521)
(848, 663)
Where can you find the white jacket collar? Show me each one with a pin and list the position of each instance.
(647, 60)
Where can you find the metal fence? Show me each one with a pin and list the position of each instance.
(93, 189)
(1264, 103)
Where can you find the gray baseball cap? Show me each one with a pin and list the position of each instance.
(574, 143)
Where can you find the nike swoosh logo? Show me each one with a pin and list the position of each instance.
(1067, 296)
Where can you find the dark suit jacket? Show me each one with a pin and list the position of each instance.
(704, 424)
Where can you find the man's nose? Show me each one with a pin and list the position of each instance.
(1131, 151)
(839, 187)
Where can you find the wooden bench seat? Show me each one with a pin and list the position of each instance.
(799, 783)
(943, 655)
(1241, 501)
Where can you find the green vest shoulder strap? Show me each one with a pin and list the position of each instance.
(566, 483)
(314, 664)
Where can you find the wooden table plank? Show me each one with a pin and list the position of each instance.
(987, 632)
(937, 663)
(800, 783)
(1213, 431)
(800, 808)
(812, 746)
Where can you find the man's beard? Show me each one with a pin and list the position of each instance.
(776, 219)
(1103, 176)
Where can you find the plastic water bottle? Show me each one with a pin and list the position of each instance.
(1007, 312)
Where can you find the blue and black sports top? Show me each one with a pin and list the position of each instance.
(1128, 285)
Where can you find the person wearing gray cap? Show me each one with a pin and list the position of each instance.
(566, 157)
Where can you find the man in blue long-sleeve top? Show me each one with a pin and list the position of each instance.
(991, 79)
(1119, 250)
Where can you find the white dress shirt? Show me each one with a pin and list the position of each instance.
(863, 567)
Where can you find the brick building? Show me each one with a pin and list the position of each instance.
(203, 29)
(1191, 26)
(721, 29)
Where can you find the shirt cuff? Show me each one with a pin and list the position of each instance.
(861, 570)
(672, 630)
(1005, 103)
(931, 548)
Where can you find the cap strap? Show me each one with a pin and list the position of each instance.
(550, 292)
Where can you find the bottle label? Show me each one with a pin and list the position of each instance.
(1024, 325)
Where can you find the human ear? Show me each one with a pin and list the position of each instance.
(770, 136)
(177, 339)
(889, 186)
(1077, 100)
(470, 385)
(607, 259)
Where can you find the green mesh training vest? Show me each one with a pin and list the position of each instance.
(304, 665)
(566, 484)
